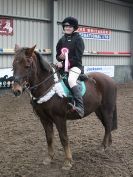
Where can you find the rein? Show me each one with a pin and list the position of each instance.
(33, 98)
(28, 88)
(45, 80)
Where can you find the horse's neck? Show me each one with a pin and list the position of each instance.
(40, 75)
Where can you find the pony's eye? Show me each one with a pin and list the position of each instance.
(27, 66)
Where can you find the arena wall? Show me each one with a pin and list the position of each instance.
(105, 25)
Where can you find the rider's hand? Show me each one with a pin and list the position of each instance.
(59, 64)
(62, 56)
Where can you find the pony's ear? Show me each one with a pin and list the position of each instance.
(16, 47)
(30, 51)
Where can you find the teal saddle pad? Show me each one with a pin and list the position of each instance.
(80, 84)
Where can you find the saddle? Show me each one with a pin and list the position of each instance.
(80, 84)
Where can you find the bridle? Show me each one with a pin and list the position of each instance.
(26, 86)
(26, 76)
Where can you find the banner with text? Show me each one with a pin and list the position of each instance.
(94, 33)
(108, 70)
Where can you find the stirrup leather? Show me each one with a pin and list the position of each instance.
(73, 105)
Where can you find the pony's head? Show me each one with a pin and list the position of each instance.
(22, 68)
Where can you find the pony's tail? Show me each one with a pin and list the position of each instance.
(114, 121)
(132, 71)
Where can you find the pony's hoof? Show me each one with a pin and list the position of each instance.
(100, 149)
(104, 149)
(47, 161)
(67, 165)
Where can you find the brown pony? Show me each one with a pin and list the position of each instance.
(100, 97)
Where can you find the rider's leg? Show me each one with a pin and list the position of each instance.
(72, 80)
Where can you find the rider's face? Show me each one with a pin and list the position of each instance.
(68, 29)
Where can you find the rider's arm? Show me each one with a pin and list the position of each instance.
(79, 50)
(58, 50)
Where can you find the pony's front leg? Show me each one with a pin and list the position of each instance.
(62, 129)
(48, 127)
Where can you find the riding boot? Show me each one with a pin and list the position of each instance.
(78, 107)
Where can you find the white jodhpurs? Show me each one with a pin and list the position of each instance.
(73, 76)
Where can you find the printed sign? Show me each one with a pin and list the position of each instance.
(108, 70)
(94, 33)
(6, 26)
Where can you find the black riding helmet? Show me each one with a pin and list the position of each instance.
(70, 21)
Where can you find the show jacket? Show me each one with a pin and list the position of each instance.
(75, 45)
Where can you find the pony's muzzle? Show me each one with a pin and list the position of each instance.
(17, 93)
(17, 89)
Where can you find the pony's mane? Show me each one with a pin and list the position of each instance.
(43, 62)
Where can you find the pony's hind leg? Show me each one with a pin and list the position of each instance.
(62, 129)
(110, 124)
(48, 127)
(106, 118)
